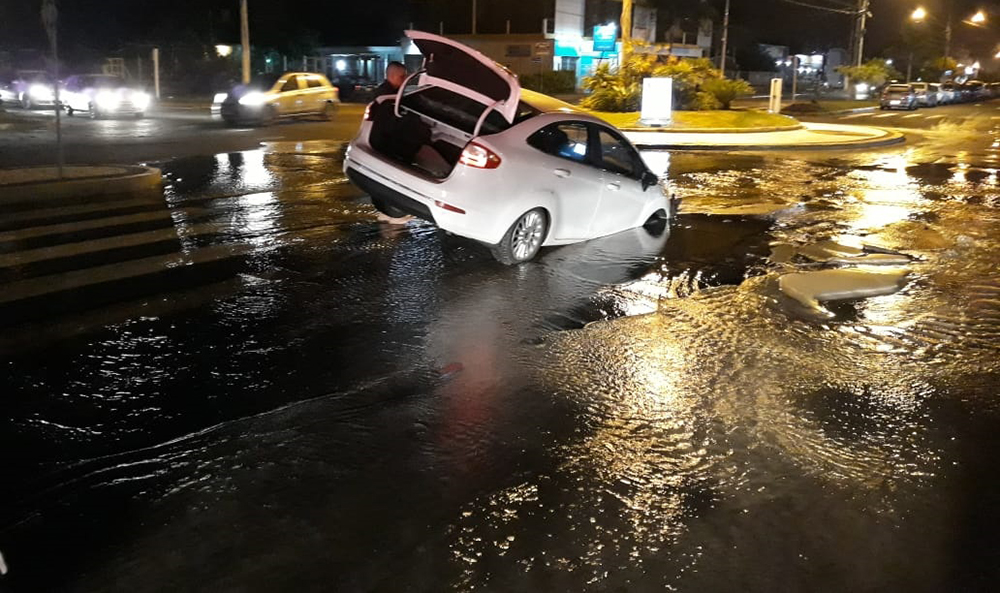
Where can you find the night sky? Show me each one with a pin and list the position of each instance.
(95, 26)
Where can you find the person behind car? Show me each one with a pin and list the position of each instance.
(405, 138)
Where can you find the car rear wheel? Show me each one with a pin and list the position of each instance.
(329, 111)
(523, 239)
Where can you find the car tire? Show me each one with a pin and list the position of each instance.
(329, 111)
(523, 239)
(270, 116)
(390, 211)
(69, 111)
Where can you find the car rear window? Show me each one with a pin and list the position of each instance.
(461, 112)
(898, 88)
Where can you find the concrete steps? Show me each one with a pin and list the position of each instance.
(82, 259)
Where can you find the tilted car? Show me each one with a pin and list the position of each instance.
(273, 96)
(898, 96)
(99, 95)
(520, 170)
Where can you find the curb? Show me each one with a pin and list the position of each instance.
(136, 179)
(889, 140)
(716, 130)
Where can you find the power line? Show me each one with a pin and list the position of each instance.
(826, 8)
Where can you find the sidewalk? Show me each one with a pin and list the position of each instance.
(810, 136)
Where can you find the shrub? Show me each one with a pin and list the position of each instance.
(621, 89)
(725, 90)
(704, 101)
(551, 82)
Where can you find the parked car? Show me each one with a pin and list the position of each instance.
(355, 89)
(524, 170)
(29, 89)
(100, 95)
(273, 96)
(898, 96)
(926, 97)
(945, 93)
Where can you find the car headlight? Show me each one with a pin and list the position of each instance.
(220, 97)
(107, 100)
(140, 100)
(40, 91)
(253, 99)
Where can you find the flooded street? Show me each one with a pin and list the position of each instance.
(300, 397)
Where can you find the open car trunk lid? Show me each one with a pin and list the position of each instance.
(463, 70)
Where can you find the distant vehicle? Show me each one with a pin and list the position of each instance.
(926, 97)
(514, 169)
(30, 89)
(945, 92)
(898, 96)
(977, 89)
(355, 89)
(99, 96)
(273, 96)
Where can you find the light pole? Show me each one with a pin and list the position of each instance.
(245, 40)
(725, 38)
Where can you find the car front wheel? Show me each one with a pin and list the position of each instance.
(523, 239)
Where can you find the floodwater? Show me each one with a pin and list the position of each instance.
(368, 407)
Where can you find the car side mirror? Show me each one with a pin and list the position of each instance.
(648, 179)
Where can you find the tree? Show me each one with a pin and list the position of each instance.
(620, 90)
(873, 72)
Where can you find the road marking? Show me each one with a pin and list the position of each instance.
(887, 115)
(913, 115)
(854, 115)
(934, 116)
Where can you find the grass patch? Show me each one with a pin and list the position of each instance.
(695, 120)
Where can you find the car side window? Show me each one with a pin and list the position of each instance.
(315, 83)
(567, 140)
(615, 155)
(292, 84)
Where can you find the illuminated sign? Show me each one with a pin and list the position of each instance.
(605, 37)
(657, 101)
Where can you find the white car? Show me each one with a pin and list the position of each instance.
(102, 96)
(511, 168)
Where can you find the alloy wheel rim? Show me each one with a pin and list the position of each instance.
(528, 235)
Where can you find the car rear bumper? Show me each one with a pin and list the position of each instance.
(390, 196)
(422, 197)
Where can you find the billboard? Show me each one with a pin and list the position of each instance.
(605, 37)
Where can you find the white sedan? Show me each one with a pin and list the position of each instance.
(467, 149)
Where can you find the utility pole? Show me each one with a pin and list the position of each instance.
(156, 71)
(245, 40)
(725, 38)
(50, 19)
(947, 35)
(626, 23)
(473, 17)
(860, 38)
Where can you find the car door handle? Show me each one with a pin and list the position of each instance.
(614, 185)
(562, 172)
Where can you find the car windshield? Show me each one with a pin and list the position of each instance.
(263, 82)
(898, 88)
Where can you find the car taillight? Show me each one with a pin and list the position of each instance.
(479, 157)
(368, 112)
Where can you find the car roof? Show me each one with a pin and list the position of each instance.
(547, 104)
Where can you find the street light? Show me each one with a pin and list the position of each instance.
(978, 18)
(919, 14)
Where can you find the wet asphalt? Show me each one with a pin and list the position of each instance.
(249, 383)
